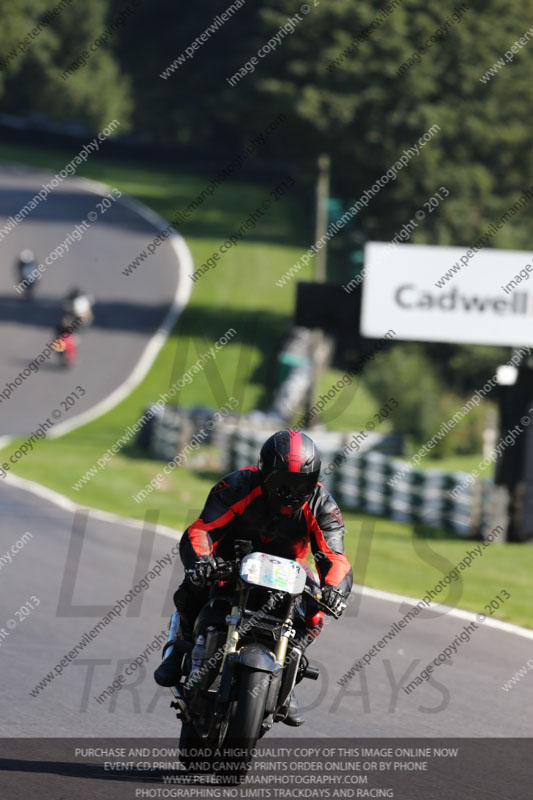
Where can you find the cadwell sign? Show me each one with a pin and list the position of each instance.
(489, 300)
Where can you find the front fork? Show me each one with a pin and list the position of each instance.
(280, 655)
(287, 632)
(232, 638)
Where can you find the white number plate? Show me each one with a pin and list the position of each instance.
(273, 572)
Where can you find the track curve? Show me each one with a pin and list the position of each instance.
(132, 312)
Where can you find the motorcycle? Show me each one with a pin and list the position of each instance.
(65, 343)
(27, 274)
(237, 678)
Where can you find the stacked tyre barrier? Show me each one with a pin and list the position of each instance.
(364, 481)
(169, 429)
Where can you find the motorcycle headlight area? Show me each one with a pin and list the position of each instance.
(273, 572)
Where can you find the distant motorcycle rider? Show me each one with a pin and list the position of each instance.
(79, 304)
(27, 273)
(65, 343)
(280, 506)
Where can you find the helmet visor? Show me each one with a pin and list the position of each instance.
(292, 488)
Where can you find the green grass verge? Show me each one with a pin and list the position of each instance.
(241, 293)
(411, 560)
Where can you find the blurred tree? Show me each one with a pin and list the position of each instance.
(31, 79)
(193, 105)
(403, 373)
(365, 114)
(361, 107)
(426, 399)
(467, 437)
(462, 369)
(354, 105)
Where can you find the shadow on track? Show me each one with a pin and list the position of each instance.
(45, 312)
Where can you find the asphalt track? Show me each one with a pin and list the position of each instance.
(128, 309)
(464, 699)
(77, 559)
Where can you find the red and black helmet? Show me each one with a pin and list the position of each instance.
(290, 465)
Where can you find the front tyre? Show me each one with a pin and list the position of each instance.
(247, 719)
(245, 727)
(195, 752)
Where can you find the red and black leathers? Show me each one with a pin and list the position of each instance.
(237, 508)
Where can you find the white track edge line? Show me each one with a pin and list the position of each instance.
(508, 627)
(67, 504)
(378, 594)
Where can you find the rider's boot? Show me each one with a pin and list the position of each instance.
(294, 717)
(169, 671)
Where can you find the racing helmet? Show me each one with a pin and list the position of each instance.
(26, 257)
(289, 463)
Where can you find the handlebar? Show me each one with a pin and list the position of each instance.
(225, 570)
(229, 569)
(222, 571)
(317, 598)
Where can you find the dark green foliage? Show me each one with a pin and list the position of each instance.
(362, 107)
(404, 373)
(94, 94)
(359, 110)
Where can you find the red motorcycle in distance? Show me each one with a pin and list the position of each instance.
(65, 343)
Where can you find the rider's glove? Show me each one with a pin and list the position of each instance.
(334, 600)
(202, 571)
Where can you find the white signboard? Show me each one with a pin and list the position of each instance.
(448, 294)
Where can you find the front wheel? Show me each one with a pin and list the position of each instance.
(249, 710)
(245, 727)
(195, 751)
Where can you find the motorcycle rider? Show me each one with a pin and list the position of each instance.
(280, 506)
(65, 343)
(26, 272)
(79, 304)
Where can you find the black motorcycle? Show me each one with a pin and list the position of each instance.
(237, 678)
